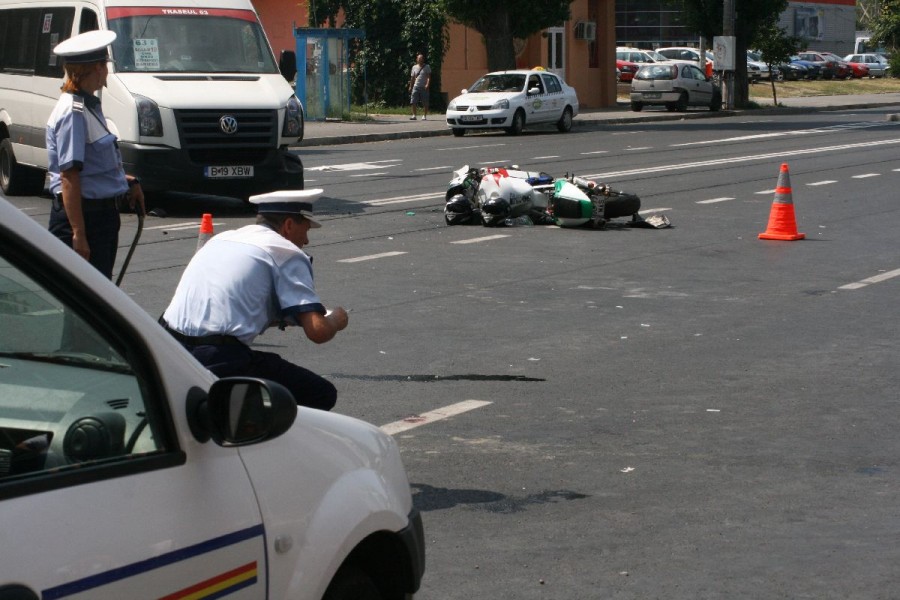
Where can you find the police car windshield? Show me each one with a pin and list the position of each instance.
(175, 43)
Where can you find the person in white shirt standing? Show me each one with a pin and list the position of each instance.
(419, 82)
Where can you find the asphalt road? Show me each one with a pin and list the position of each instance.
(686, 413)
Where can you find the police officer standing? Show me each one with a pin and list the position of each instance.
(87, 179)
(241, 282)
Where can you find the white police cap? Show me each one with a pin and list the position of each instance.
(87, 47)
(289, 202)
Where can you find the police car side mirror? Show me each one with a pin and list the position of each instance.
(239, 411)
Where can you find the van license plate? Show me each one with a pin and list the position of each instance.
(229, 172)
(652, 95)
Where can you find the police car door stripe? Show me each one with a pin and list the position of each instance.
(95, 581)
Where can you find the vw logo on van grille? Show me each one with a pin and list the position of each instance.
(228, 124)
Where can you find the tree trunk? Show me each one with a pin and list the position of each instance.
(498, 40)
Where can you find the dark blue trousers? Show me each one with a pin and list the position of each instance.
(102, 226)
(234, 360)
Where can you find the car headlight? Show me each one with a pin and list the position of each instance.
(452, 105)
(500, 104)
(149, 119)
(293, 119)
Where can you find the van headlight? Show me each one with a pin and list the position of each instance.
(293, 119)
(504, 104)
(149, 119)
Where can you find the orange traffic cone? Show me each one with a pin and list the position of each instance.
(782, 224)
(206, 230)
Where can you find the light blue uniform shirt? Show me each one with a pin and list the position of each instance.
(77, 137)
(241, 282)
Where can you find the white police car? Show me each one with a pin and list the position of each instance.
(128, 471)
(510, 100)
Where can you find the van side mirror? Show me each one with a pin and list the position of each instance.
(287, 65)
(534, 91)
(239, 411)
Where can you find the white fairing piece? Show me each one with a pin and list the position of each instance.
(518, 193)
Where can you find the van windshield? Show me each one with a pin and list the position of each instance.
(188, 40)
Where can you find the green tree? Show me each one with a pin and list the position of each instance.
(886, 32)
(396, 31)
(704, 17)
(776, 47)
(499, 21)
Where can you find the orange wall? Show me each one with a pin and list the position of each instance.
(466, 59)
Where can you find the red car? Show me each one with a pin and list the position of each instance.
(627, 69)
(860, 70)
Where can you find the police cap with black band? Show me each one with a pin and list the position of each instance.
(289, 202)
(88, 47)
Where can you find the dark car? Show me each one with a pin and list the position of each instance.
(813, 70)
(833, 66)
(791, 71)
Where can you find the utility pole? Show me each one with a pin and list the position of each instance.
(728, 31)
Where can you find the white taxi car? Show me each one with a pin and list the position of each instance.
(511, 100)
(127, 470)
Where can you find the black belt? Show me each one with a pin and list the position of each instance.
(202, 340)
(89, 204)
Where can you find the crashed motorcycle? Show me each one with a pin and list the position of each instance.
(497, 196)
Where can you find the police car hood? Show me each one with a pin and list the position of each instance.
(209, 90)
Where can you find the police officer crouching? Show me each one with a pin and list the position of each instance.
(241, 282)
(87, 178)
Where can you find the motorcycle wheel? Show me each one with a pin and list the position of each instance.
(620, 204)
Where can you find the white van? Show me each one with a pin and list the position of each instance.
(128, 471)
(195, 95)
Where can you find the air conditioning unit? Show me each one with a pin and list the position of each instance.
(586, 30)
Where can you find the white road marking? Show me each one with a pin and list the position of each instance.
(824, 182)
(468, 147)
(402, 199)
(639, 148)
(761, 192)
(874, 279)
(434, 168)
(714, 200)
(358, 166)
(760, 136)
(866, 175)
(432, 416)
(368, 174)
(180, 226)
(607, 152)
(737, 159)
(496, 162)
(652, 210)
(481, 239)
(543, 157)
(370, 257)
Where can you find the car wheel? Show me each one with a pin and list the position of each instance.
(16, 180)
(518, 123)
(779, 76)
(459, 131)
(565, 121)
(351, 583)
(716, 104)
(637, 106)
(682, 104)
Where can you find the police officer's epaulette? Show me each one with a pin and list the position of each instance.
(77, 104)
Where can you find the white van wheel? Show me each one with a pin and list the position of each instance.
(16, 180)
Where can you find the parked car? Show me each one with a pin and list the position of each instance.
(791, 71)
(878, 64)
(833, 66)
(510, 100)
(674, 84)
(813, 70)
(170, 482)
(626, 69)
(629, 60)
(756, 68)
(859, 70)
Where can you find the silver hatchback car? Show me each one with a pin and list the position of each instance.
(675, 84)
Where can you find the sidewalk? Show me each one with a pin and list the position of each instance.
(399, 127)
